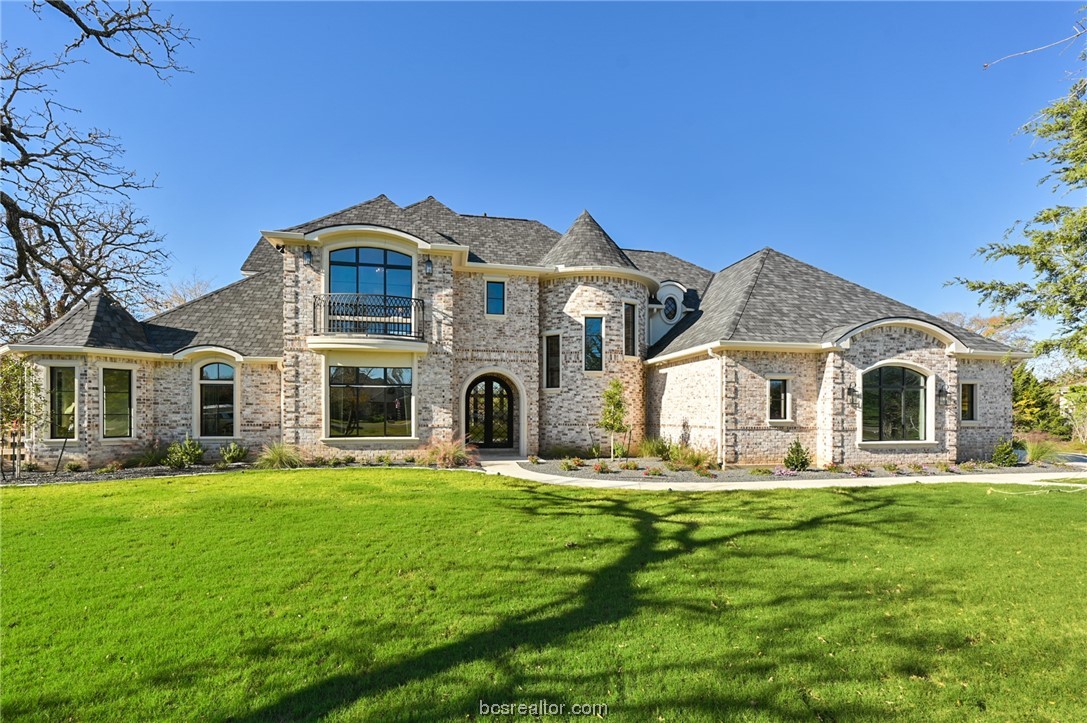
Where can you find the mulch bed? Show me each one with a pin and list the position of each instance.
(736, 473)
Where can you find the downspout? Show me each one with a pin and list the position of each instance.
(720, 405)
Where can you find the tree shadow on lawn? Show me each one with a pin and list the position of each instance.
(666, 531)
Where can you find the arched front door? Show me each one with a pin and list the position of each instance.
(489, 417)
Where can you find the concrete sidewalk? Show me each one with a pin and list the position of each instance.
(511, 468)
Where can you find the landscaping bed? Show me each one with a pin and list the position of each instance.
(768, 473)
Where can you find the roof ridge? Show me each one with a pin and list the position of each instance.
(500, 218)
(345, 210)
(204, 296)
(750, 289)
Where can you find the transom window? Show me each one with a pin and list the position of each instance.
(496, 297)
(62, 402)
(968, 403)
(116, 403)
(369, 401)
(594, 343)
(893, 405)
(216, 400)
(363, 270)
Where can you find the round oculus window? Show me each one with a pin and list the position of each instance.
(671, 308)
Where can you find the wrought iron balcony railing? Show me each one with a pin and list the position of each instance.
(368, 315)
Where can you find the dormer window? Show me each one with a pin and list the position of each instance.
(671, 309)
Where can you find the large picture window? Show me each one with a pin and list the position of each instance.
(62, 402)
(369, 401)
(893, 405)
(116, 403)
(216, 400)
(362, 270)
(552, 361)
(594, 344)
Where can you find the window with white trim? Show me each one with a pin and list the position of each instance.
(780, 408)
(216, 395)
(894, 405)
(116, 403)
(62, 402)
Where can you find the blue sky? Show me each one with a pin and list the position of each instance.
(864, 138)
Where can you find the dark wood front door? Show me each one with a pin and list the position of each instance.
(489, 406)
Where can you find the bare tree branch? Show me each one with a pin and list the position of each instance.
(1080, 30)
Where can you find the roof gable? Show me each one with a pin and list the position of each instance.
(99, 321)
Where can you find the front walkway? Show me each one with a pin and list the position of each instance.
(510, 468)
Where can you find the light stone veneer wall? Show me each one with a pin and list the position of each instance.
(163, 408)
(993, 399)
(501, 345)
(571, 413)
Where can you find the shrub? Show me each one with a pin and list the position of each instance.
(834, 468)
(451, 453)
(761, 471)
(1042, 451)
(630, 465)
(73, 467)
(279, 456)
(943, 466)
(233, 452)
(653, 472)
(567, 465)
(152, 455)
(703, 472)
(32, 467)
(320, 461)
(859, 470)
(891, 467)
(917, 468)
(968, 466)
(533, 459)
(601, 467)
(691, 457)
(349, 459)
(110, 468)
(221, 466)
(1004, 454)
(385, 459)
(180, 455)
(409, 459)
(578, 461)
(653, 447)
(798, 458)
(621, 450)
(336, 461)
(780, 471)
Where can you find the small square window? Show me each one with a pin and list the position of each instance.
(496, 297)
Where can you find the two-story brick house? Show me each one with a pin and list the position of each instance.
(382, 328)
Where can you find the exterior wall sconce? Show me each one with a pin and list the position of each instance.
(851, 395)
(942, 396)
(307, 257)
(428, 266)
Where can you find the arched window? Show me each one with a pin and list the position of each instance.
(362, 270)
(216, 394)
(893, 405)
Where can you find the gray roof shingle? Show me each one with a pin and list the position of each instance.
(666, 267)
(771, 297)
(585, 243)
(99, 321)
(378, 211)
(263, 257)
(490, 239)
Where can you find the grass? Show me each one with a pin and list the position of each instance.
(411, 594)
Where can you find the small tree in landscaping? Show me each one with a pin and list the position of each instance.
(797, 458)
(1075, 411)
(613, 418)
(21, 405)
(1004, 454)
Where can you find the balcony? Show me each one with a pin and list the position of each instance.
(368, 315)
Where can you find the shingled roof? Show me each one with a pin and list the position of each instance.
(378, 211)
(490, 239)
(585, 243)
(666, 267)
(246, 317)
(99, 321)
(771, 297)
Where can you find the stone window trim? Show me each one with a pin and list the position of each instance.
(930, 407)
(543, 366)
(326, 416)
(976, 384)
(790, 416)
(628, 333)
(489, 279)
(77, 365)
(199, 364)
(585, 316)
(132, 369)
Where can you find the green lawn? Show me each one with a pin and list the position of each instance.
(407, 594)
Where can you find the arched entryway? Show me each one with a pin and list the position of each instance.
(489, 413)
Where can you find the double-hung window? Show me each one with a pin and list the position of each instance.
(779, 400)
(496, 298)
